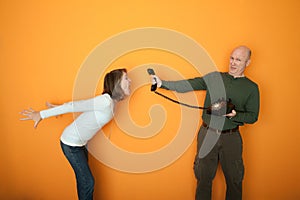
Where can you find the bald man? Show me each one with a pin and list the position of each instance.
(219, 139)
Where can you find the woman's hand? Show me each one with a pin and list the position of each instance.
(50, 105)
(32, 115)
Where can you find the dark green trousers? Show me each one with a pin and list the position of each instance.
(228, 151)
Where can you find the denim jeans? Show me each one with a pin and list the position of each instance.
(78, 158)
(227, 151)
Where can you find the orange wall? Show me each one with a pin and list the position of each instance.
(44, 44)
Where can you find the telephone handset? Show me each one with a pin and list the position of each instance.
(151, 72)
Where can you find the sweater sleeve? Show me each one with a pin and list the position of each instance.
(251, 109)
(97, 103)
(185, 85)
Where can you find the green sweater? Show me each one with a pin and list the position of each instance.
(243, 92)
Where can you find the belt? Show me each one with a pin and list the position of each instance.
(221, 131)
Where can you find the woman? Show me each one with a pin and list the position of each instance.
(95, 113)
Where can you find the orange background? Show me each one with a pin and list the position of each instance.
(43, 45)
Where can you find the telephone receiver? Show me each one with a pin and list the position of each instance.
(151, 72)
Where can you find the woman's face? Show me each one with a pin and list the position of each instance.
(125, 84)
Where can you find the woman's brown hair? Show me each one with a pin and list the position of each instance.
(112, 85)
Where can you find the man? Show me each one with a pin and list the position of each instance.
(219, 139)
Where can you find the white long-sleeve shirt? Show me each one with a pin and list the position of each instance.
(96, 112)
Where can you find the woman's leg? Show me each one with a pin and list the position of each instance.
(78, 158)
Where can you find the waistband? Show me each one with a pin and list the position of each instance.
(221, 131)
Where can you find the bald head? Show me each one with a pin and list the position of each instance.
(245, 50)
(239, 60)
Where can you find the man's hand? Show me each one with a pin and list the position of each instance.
(155, 79)
(232, 114)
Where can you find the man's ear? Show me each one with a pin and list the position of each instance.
(248, 63)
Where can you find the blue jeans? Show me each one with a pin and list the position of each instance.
(78, 158)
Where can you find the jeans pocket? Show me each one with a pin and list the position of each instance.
(74, 149)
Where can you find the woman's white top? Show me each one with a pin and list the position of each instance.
(96, 112)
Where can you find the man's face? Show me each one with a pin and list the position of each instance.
(239, 60)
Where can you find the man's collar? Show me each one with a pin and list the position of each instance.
(241, 76)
